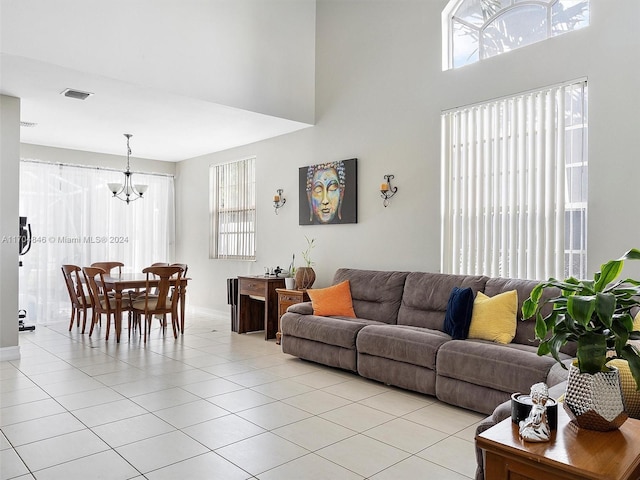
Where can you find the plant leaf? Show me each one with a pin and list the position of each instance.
(543, 349)
(621, 335)
(588, 287)
(555, 344)
(631, 355)
(592, 352)
(541, 326)
(605, 307)
(625, 319)
(529, 307)
(581, 308)
(633, 254)
(608, 273)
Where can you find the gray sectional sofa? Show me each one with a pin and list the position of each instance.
(398, 339)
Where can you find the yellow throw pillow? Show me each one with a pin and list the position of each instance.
(494, 318)
(629, 388)
(335, 300)
(636, 322)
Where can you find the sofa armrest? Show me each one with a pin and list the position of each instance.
(303, 308)
(558, 374)
(501, 412)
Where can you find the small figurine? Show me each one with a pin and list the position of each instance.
(535, 428)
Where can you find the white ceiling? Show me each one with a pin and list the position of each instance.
(185, 77)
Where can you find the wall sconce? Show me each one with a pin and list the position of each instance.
(387, 190)
(278, 200)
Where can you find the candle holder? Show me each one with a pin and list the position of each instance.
(387, 190)
(278, 200)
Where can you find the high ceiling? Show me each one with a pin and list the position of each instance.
(185, 77)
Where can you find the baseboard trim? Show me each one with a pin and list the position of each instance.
(9, 353)
(218, 311)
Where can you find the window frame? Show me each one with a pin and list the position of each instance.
(243, 207)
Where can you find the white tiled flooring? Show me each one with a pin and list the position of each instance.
(213, 405)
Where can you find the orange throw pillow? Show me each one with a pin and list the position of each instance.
(335, 300)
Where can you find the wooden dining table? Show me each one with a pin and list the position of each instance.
(138, 281)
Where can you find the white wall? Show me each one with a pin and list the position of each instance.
(379, 94)
(9, 223)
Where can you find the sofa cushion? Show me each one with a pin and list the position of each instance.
(323, 353)
(338, 331)
(494, 318)
(458, 315)
(509, 368)
(425, 297)
(525, 329)
(413, 345)
(629, 388)
(376, 295)
(334, 300)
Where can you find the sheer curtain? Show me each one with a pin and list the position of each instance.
(75, 220)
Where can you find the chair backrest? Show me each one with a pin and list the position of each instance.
(109, 266)
(164, 274)
(184, 266)
(73, 282)
(96, 288)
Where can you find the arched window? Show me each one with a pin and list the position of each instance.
(477, 29)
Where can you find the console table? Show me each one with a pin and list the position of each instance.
(258, 304)
(573, 453)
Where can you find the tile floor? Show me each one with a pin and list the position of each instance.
(213, 405)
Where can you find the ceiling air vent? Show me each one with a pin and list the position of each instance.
(80, 95)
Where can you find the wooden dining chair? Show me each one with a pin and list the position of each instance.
(80, 301)
(184, 266)
(181, 292)
(103, 303)
(161, 303)
(154, 291)
(108, 267)
(158, 264)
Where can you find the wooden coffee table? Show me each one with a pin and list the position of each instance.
(573, 453)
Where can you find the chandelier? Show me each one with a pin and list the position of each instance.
(127, 191)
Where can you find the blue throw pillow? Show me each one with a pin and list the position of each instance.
(458, 316)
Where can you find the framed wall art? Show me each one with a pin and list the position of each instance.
(328, 193)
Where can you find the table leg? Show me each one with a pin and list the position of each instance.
(118, 319)
(183, 294)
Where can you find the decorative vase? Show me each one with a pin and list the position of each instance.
(305, 276)
(290, 283)
(594, 401)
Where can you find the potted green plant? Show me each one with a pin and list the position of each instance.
(305, 276)
(597, 315)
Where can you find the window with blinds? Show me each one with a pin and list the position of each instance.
(514, 178)
(233, 210)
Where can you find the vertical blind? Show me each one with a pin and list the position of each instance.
(75, 220)
(233, 210)
(514, 185)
